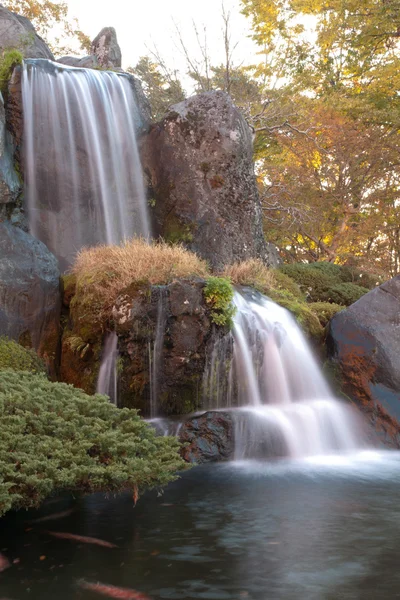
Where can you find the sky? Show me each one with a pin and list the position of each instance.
(141, 25)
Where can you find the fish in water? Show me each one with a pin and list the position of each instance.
(4, 563)
(54, 516)
(81, 538)
(112, 591)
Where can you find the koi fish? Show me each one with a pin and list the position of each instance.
(4, 563)
(81, 538)
(111, 591)
(53, 517)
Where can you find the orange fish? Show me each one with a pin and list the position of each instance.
(81, 538)
(54, 516)
(4, 563)
(112, 591)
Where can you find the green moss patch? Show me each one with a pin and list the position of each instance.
(16, 357)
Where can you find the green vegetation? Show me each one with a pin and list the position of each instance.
(16, 357)
(8, 61)
(323, 282)
(219, 295)
(55, 437)
(324, 311)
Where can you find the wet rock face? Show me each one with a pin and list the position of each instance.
(18, 32)
(199, 163)
(364, 344)
(106, 48)
(208, 438)
(10, 185)
(29, 292)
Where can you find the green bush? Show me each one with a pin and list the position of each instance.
(284, 282)
(8, 61)
(54, 437)
(324, 311)
(218, 294)
(313, 282)
(346, 293)
(16, 357)
(335, 272)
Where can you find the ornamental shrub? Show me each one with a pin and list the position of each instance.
(54, 437)
(16, 357)
(346, 293)
(324, 311)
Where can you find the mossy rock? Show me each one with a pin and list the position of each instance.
(306, 319)
(218, 294)
(16, 357)
(284, 282)
(324, 311)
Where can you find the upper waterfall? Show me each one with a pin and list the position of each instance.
(84, 182)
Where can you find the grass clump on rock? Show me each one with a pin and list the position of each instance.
(103, 272)
(16, 357)
(55, 437)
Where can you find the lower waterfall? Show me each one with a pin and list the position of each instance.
(107, 381)
(265, 374)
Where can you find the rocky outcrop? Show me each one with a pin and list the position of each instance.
(10, 185)
(18, 32)
(364, 345)
(199, 164)
(164, 336)
(106, 49)
(86, 62)
(207, 438)
(29, 292)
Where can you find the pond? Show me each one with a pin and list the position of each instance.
(318, 529)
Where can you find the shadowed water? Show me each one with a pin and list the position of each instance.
(317, 529)
(84, 183)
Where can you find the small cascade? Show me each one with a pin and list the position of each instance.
(107, 382)
(281, 403)
(84, 182)
(155, 354)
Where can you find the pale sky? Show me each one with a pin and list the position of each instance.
(151, 22)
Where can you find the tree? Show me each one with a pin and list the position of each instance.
(161, 86)
(45, 15)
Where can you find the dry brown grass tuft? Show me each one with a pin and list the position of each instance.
(251, 272)
(103, 272)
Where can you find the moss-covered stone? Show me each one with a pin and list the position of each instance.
(306, 319)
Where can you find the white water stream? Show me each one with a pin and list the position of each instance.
(84, 182)
(279, 398)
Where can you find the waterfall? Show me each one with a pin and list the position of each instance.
(107, 381)
(84, 183)
(279, 398)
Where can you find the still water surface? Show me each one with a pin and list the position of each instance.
(322, 529)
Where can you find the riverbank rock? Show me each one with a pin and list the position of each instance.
(207, 438)
(199, 163)
(29, 293)
(18, 32)
(364, 345)
(106, 49)
(10, 185)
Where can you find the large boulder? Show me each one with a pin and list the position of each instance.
(18, 32)
(106, 49)
(364, 345)
(199, 162)
(208, 438)
(29, 292)
(85, 62)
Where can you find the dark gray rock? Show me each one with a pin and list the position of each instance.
(199, 163)
(364, 344)
(208, 438)
(10, 185)
(18, 32)
(87, 62)
(106, 49)
(30, 299)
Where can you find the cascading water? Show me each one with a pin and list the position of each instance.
(282, 403)
(107, 381)
(84, 183)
